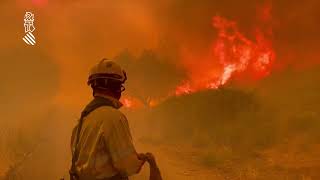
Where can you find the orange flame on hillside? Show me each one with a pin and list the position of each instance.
(231, 54)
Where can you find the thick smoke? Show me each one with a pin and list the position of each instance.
(76, 34)
(44, 87)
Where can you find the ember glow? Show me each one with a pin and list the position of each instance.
(231, 54)
(135, 103)
(126, 102)
(131, 102)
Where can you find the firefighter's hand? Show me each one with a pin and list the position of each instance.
(147, 157)
(142, 157)
(150, 158)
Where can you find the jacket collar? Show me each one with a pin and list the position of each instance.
(116, 103)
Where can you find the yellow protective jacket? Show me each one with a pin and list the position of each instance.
(105, 144)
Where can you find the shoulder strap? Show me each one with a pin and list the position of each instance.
(94, 104)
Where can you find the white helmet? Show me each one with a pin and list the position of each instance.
(107, 69)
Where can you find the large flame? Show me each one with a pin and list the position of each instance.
(231, 54)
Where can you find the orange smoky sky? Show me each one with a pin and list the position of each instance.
(72, 35)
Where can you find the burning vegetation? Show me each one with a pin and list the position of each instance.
(231, 55)
(216, 89)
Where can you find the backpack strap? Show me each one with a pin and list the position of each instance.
(94, 104)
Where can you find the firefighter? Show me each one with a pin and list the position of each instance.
(101, 143)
